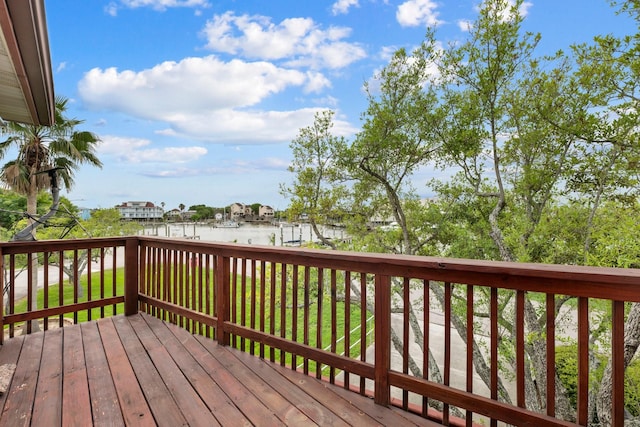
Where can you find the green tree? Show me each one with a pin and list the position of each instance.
(399, 136)
(40, 148)
(202, 212)
(316, 190)
(59, 146)
(511, 162)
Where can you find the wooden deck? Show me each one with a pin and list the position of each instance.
(138, 370)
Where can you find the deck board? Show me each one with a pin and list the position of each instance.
(48, 407)
(104, 398)
(140, 371)
(135, 411)
(76, 404)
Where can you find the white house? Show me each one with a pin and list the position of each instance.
(140, 211)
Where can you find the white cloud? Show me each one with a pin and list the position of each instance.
(237, 167)
(465, 25)
(206, 98)
(251, 127)
(413, 13)
(342, 6)
(132, 150)
(298, 41)
(172, 89)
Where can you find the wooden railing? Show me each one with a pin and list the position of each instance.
(358, 319)
(78, 279)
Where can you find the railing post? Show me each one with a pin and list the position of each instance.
(131, 276)
(382, 340)
(222, 295)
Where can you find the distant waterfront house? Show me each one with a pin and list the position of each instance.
(266, 212)
(140, 211)
(237, 210)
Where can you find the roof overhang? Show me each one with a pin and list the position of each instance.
(26, 80)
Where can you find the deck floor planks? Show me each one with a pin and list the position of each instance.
(47, 406)
(104, 399)
(140, 371)
(193, 365)
(76, 405)
(21, 395)
(9, 356)
(135, 411)
(165, 410)
(262, 392)
(314, 388)
(191, 405)
(267, 387)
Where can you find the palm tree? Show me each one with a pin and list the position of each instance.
(43, 148)
(59, 146)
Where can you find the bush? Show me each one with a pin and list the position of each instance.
(567, 369)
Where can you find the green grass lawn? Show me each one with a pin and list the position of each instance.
(53, 296)
(326, 333)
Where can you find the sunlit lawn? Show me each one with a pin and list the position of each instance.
(325, 340)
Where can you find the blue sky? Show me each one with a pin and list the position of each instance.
(197, 101)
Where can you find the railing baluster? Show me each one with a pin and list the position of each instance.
(305, 319)
(470, 340)
(166, 284)
(60, 287)
(363, 327)
(102, 280)
(222, 282)
(283, 308)
(520, 354)
(89, 282)
(319, 317)
(263, 303)
(75, 284)
(29, 288)
(406, 292)
(447, 348)
(254, 304)
(334, 326)
(191, 273)
(426, 321)
(272, 308)
(177, 293)
(234, 298)
(493, 320)
(583, 360)
(347, 322)
(45, 287)
(294, 313)
(12, 291)
(617, 361)
(208, 291)
(130, 276)
(243, 303)
(551, 354)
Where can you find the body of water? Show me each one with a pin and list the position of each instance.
(263, 234)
